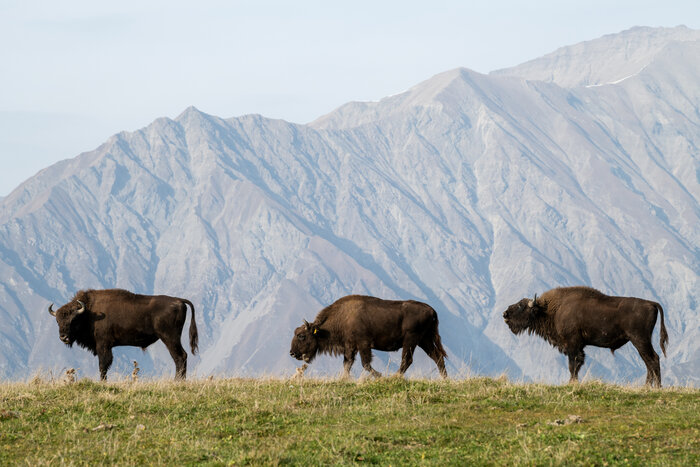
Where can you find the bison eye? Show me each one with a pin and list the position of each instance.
(301, 337)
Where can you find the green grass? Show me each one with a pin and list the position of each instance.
(319, 422)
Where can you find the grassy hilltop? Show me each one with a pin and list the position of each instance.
(388, 421)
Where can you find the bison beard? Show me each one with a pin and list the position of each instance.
(359, 324)
(99, 320)
(571, 318)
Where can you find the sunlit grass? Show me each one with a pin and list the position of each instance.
(317, 421)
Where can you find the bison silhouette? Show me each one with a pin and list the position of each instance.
(570, 318)
(357, 323)
(101, 319)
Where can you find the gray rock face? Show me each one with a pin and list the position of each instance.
(609, 59)
(467, 191)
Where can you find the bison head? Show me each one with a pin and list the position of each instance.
(68, 317)
(522, 315)
(305, 342)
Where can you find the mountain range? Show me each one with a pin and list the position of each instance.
(468, 191)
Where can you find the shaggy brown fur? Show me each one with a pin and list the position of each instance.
(99, 320)
(359, 323)
(571, 318)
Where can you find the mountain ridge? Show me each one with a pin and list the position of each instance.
(467, 191)
(590, 63)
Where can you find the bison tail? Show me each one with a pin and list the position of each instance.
(194, 337)
(663, 335)
(438, 344)
(436, 339)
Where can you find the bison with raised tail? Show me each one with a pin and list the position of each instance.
(101, 319)
(359, 324)
(571, 318)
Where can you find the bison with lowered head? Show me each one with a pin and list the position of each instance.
(359, 324)
(571, 318)
(101, 319)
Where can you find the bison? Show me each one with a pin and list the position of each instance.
(101, 319)
(570, 318)
(358, 323)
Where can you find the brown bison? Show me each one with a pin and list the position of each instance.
(571, 318)
(359, 324)
(101, 319)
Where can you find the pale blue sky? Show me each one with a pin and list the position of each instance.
(72, 73)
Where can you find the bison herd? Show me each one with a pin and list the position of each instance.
(569, 318)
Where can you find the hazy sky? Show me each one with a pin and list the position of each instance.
(72, 73)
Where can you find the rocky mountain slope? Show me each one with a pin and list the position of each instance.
(467, 191)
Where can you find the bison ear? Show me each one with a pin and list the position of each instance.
(314, 330)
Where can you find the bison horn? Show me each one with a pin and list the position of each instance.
(306, 323)
(82, 307)
(51, 312)
(532, 302)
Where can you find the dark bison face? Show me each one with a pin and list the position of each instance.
(520, 316)
(67, 318)
(305, 342)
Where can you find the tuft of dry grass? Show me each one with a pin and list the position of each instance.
(328, 421)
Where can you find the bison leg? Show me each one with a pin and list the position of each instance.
(179, 357)
(406, 357)
(651, 360)
(410, 342)
(433, 352)
(104, 357)
(576, 360)
(348, 360)
(366, 357)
